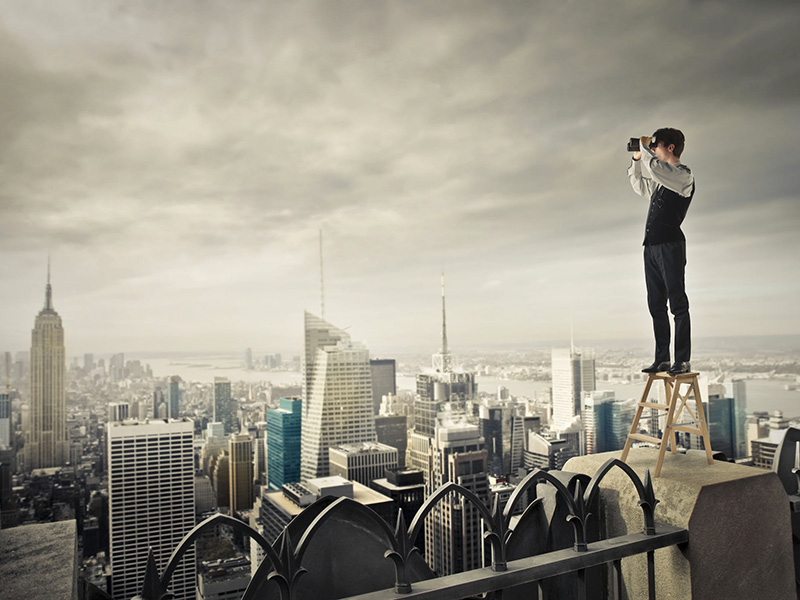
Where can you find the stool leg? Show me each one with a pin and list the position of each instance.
(673, 446)
(635, 424)
(702, 418)
(665, 437)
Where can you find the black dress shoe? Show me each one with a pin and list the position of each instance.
(657, 367)
(679, 368)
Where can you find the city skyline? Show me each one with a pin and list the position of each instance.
(178, 163)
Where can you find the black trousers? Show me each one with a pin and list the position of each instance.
(664, 266)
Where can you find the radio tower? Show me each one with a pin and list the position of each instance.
(443, 362)
(321, 279)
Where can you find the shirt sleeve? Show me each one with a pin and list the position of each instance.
(640, 184)
(676, 177)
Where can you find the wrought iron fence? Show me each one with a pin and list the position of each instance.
(283, 564)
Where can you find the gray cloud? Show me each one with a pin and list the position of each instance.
(179, 159)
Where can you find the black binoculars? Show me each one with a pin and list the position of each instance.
(633, 144)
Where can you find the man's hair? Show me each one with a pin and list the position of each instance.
(668, 135)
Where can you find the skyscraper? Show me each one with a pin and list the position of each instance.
(5, 420)
(573, 374)
(222, 403)
(444, 383)
(158, 400)
(337, 403)
(46, 444)
(174, 397)
(118, 411)
(496, 427)
(151, 502)
(283, 443)
(240, 450)
(598, 422)
(453, 531)
(384, 379)
(392, 430)
(737, 390)
(362, 462)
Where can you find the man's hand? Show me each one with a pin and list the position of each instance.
(643, 141)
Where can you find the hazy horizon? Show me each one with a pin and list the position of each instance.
(704, 347)
(177, 162)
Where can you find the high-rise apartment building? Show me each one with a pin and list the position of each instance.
(240, 451)
(573, 373)
(337, 406)
(46, 443)
(454, 530)
(283, 443)
(384, 379)
(223, 412)
(151, 502)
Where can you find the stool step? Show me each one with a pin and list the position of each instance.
(687, 423)
(644, 438)
(687, 429)
(654, 405)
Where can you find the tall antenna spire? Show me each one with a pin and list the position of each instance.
(321, 279)
(48, 293)
(443, 361)
(571, 337)
(444, 321)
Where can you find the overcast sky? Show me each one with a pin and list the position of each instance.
(177, 161)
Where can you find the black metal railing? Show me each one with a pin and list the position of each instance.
(283, 564)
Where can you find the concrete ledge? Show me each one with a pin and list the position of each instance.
(740, 543)
(39, 562)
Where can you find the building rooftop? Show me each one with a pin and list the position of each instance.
(361, 494)
(385, 483)
(363, 448)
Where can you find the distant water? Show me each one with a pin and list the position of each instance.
(762, 394)
(203, 369)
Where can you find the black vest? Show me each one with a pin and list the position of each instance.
(667, 210)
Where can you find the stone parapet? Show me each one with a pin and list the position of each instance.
(39, 562)
(740, 543)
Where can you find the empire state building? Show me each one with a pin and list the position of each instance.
(46, 443)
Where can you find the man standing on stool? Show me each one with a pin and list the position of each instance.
(657, 173)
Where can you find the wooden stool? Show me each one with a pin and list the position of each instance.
(672, 386)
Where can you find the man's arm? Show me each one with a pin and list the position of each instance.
(640, 184)
(676, 177)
